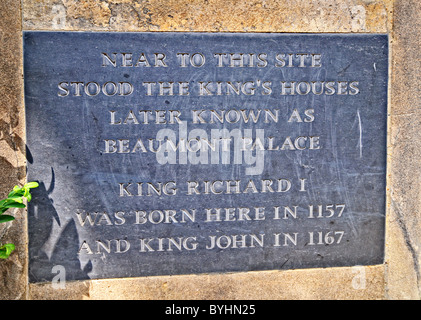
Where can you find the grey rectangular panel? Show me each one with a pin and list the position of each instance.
(180, 153)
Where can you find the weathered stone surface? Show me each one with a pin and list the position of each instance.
(403, 260)
(209, 15)
(321, 284)
(12, 149)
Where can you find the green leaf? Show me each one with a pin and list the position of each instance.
(17, 199)
(6, 218)
(14, 205)
(11, 194)
(31, 185)
(6, 250)
(16, 190)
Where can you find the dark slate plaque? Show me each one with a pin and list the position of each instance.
(181, 153)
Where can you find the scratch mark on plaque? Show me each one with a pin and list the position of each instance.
(360, 141)
(283, 264)
(342, 72)
(338, 169)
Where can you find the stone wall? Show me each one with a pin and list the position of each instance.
(397, 278)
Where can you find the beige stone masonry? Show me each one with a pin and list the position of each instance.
(209, 15)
